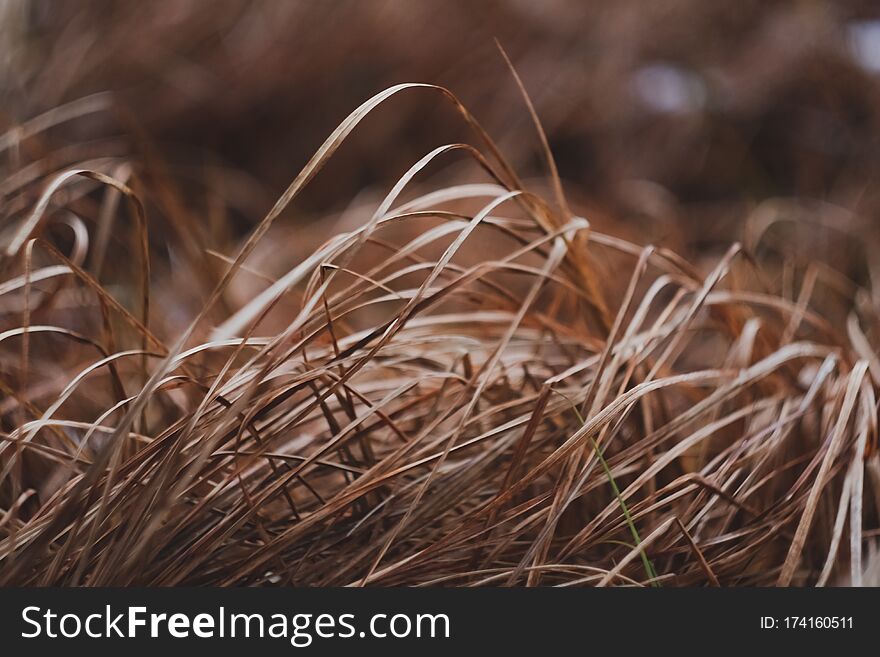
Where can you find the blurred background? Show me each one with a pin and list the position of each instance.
(672, 122)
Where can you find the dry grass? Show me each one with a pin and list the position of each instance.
(470, 387)
(448, 377)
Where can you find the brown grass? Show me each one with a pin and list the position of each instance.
(460, 383)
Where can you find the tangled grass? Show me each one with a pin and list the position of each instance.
(471, 387)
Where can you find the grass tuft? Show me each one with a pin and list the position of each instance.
(367, 399)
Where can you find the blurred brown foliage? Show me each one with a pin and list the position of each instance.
(678, 114)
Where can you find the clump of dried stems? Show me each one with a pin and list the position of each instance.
(471, 386)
